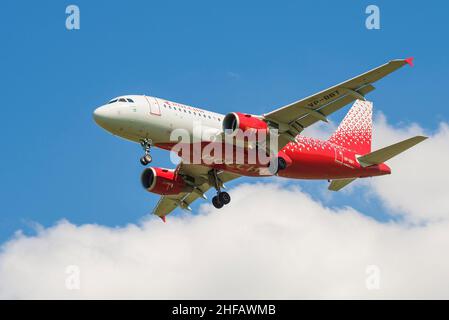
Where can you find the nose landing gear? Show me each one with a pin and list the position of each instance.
(222, 198)
(146, 145)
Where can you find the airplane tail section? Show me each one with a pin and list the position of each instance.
(378, 157)
(384, 154)
(355, 131)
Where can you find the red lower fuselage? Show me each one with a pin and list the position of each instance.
(307, 158)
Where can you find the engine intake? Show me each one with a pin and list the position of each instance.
(163, 181)
(236, 120)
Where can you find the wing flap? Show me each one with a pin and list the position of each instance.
(334, 106)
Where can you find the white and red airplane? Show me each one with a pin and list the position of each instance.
(341, 159)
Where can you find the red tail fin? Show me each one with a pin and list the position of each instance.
(355, 131)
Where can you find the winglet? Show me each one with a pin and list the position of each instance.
(409, 61)
(163, 218)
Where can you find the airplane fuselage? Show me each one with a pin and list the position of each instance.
(143, 117)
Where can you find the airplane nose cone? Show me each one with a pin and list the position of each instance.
(107, 118)
(101, 115)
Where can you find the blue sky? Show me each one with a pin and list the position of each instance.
(225, 56)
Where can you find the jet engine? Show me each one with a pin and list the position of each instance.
(163, 181)
(236, 120)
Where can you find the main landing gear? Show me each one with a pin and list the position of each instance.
(222, 198)
(146, 145)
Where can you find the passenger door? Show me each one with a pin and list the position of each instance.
(155, 109)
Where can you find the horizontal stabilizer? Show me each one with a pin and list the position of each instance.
(384, 154)
(338, 184)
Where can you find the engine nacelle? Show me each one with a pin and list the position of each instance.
(236, 120)
(163, 181)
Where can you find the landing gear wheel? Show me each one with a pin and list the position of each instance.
(217, 203)
(224, 197)
(146, 159)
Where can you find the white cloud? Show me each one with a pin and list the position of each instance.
(272, 241)
(418, 186)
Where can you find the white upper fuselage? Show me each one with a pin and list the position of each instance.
(138, 117)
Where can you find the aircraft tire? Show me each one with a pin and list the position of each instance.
(217, 203)
(224, 197)
(146, 159)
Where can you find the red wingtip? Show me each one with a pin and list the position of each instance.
(410, 61)
(163, 218)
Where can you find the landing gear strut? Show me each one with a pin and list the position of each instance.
(146, 145)
(222, 198)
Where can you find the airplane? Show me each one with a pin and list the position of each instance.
(343, 158)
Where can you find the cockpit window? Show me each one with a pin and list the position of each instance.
(121, 100)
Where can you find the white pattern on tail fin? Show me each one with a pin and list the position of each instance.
(355, 131)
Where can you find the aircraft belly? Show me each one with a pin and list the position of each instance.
(315, 162)
(306, 163)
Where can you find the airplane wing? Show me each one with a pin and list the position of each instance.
(198, 177)
(295, 117)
